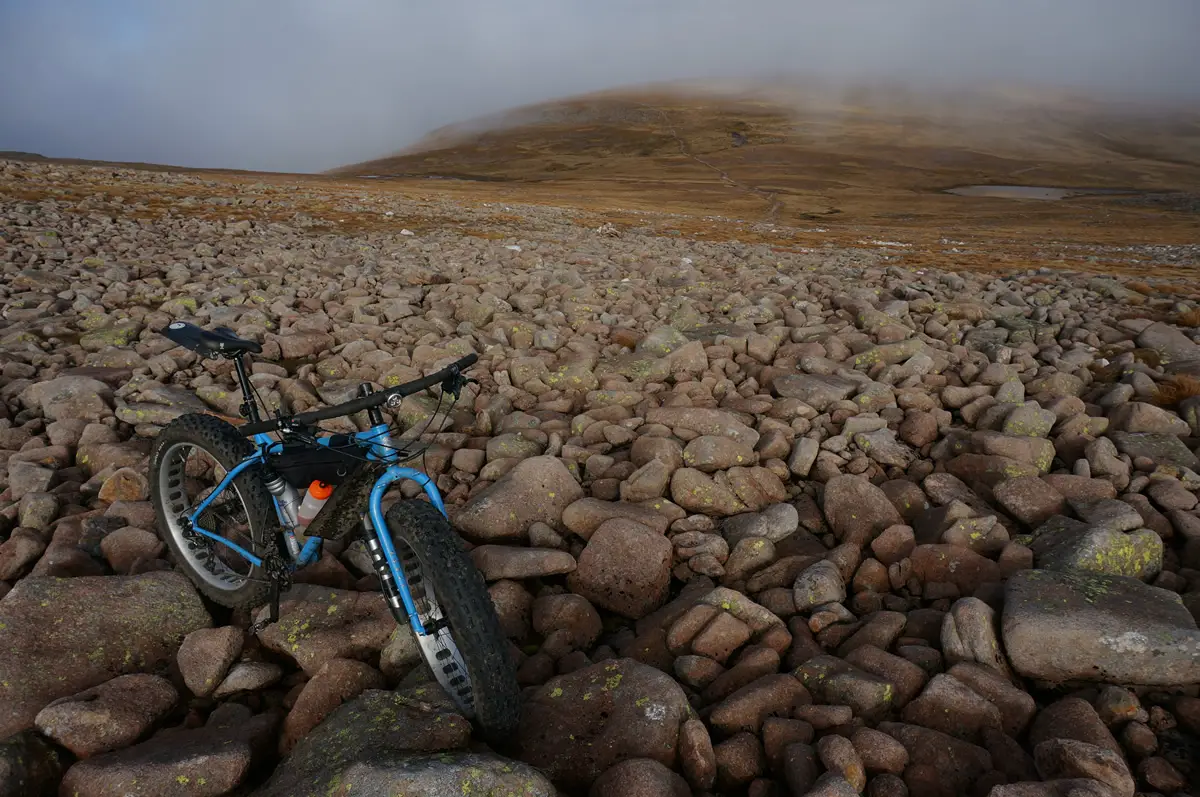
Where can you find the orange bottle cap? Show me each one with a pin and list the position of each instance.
(320, 490)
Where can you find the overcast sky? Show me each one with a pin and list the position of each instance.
(307, 85)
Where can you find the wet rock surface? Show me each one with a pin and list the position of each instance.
(755, 519)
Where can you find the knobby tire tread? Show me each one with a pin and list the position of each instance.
(464, 599)
(222, 441)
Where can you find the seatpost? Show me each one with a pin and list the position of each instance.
(248, 409)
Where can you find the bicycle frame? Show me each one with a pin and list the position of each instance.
(376, 442)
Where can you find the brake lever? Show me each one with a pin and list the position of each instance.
(455, 382)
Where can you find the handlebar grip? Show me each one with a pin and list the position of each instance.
(262, 427)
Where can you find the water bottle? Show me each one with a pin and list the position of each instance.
(318, 493)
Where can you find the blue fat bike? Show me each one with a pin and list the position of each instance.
(226, 498)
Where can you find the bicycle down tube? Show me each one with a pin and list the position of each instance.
(375, 523)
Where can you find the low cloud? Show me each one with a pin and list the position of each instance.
(307, 85)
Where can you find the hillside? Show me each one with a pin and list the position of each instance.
(902, 499)
(851, 161)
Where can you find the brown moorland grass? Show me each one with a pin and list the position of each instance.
(1189, 318)
(1175, 389)
(837, 168)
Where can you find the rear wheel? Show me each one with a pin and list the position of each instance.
(189, 459)
(464, 644)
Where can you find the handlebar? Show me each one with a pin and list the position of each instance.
(363, 402)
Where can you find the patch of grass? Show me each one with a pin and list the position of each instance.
(1140, 287)
(1173, 391)
(1189, 318)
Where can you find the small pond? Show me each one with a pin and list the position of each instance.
(1031, 191)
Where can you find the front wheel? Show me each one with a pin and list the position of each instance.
(464, 644)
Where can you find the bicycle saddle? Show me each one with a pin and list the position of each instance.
(218, 342)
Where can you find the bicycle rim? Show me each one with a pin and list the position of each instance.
(188, 475)
(438, 644)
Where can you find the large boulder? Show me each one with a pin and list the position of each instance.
(1066, 627)
(578, 725)
(179, 762)
(1171, 344)
(71, 397)
(106, 717)
(30, 765)
(704, 421)
(625, 568)
(696, 491)
(537, 489)
(956, 763)
(1138, 554)
(816, 390)
(319, 624)
(386, 743)
(1166, 449)
(857, 510)
(59, 637)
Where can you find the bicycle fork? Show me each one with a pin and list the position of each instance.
(382, 549)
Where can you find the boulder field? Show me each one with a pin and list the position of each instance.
(755, 521)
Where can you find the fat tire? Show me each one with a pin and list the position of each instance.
(221, 440)
(467, 606)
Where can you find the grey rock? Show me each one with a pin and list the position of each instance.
(71, 397)
(1137, 416)
(815, 390)
(1062, 627)
(1029, 499)
(818, 585)
(833, 681)
(1163, 448)
(1029, 420)
(883, 447)
(1171, 344)
(1069, 758)
(536, 489)
(704, 422)
(576, 726)
(248, 676)
(1138, 554)
(318, 623)
(1108, 514)
(776, 522)
(804, 454)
